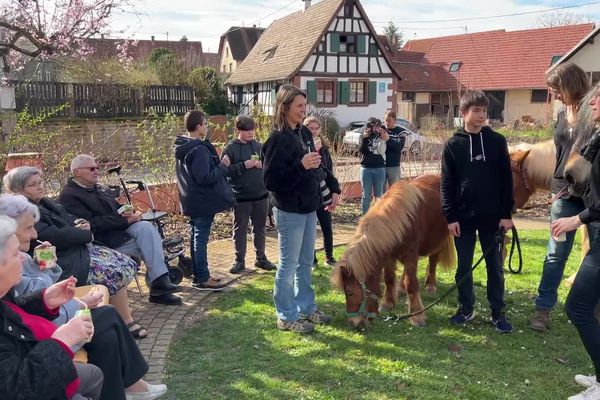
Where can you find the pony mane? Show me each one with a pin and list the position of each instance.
(376, 234)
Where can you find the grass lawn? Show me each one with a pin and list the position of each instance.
(237, 353)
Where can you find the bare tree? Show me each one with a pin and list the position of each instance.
(40, 28)
(560, 18)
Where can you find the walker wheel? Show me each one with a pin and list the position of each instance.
(175, 275)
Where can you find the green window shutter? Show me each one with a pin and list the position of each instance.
(372, 92)
(334, 45)
(311, 91)
(343, 92)
(362, 43)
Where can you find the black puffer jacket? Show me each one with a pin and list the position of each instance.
(294, 188)
(58, 227)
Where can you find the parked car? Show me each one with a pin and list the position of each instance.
(413, 145)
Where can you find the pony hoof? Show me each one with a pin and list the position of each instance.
(417, 322)
(431, 289)
(385, 307)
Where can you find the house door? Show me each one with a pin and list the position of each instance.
(496, 108)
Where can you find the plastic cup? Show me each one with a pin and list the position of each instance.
(45, 256)
(561, 238)
(255, 157)
(85, 313)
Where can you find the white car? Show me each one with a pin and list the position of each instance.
(413, 145)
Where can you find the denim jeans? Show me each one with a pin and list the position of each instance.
(293, 293)
(465, 247)
(557, 254)
(582, 300)
(372, 180)
(200, 231)
(392, 175)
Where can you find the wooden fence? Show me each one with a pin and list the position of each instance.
(91, 100)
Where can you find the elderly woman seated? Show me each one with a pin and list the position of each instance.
(77, 254)
(36, 356)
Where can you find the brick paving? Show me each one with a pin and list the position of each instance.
(162, 321)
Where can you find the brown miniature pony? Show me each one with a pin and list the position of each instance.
(405, 224)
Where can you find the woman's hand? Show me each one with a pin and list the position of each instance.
(92, 299)
(82, 224)
(335, 201)
(563, 225)
(59, 293)
(77, 330)
(311, 160)
(133, 218)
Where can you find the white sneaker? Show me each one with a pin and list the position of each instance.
(585, 380)
(152, 392)
(591, 393)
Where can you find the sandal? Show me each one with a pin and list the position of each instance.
(136, 330)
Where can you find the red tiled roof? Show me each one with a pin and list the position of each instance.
(493, 60)
(425, 78)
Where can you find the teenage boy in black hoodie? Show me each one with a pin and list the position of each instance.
(203, 192)
(477, 198)
(245, 176)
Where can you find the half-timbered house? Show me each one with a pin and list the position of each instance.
(331, 51)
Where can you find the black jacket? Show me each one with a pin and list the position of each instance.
(31, 369)
(393, 151)
(591, 196)
(369, 156)
(203, 187)
(476, 177)
(247, 184)
(99, 206)
(57, 227)
(295, 189)
(564, 138)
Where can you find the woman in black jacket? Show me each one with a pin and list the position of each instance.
(292, 171)
(77, 255)
(585, 292)
(323, 212)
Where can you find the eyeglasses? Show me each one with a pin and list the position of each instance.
(91, 169)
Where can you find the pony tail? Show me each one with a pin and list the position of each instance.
(447, 254)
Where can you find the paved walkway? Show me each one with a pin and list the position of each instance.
(162, 321)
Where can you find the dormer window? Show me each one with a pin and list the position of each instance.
(347, 44)
(269, 53)
(454, 66)
(555, 59)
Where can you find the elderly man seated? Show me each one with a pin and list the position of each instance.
(85, 198)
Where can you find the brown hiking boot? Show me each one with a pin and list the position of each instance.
(540, 321)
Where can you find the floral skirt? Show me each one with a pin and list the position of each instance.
(110, 268)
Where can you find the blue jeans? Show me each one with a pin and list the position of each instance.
(293, 293)
(557, 254)
(200, 230)
(372, 180)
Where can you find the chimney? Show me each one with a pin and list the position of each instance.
(306, 4)
(152, 38)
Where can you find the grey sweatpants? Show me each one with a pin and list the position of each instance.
(146, 243)
(90, 382)
(255, 211)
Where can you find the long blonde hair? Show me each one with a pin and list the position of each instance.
(285, 96)
(313, 119)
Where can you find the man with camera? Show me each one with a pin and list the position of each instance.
(372, 162)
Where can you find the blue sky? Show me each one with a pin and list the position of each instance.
(206, 20)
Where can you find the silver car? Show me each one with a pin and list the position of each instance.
(413, 145)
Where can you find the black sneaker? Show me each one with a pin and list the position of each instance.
(210, 285)
(238, 267)
(461, 316)
(265, 265)
(501, 323)
(330, 261)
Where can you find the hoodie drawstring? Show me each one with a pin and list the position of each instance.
(471, 146)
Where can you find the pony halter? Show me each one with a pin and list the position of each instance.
(362, 311)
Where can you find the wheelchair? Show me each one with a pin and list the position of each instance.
(179, 266)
